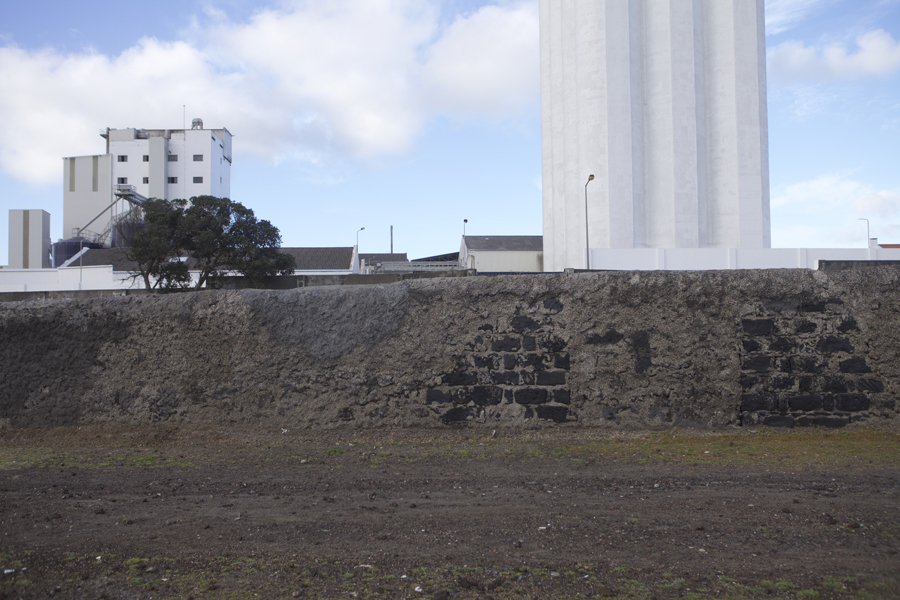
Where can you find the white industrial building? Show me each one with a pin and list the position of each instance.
(502, 253)
(664, 101)
(29, 239)
(153, 163)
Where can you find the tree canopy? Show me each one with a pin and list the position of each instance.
(213, 236)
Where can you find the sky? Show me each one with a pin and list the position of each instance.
(415, 114)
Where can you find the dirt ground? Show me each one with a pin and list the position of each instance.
(205, 512)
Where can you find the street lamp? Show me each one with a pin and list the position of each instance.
(357, 238)
(464, 226)
(867, 230)
(587, 239)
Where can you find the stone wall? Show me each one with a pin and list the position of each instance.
(618, 349)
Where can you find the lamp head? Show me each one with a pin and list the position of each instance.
(590, 177)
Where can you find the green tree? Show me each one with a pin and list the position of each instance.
(211, 235)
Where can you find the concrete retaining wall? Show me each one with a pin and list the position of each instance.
(651, 349)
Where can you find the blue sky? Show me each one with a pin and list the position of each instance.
(415, 113)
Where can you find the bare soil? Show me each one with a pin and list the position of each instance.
(204, 512)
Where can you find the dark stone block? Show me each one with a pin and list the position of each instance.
(806, 384)
(755, 402)
(784, 365)
(610, 337)
(854, 365)
(851, 402)
(757, 364)
(484, 395)
(758, 326)
(751, 346)
(529, 343)
(522, 323)
(643, 358)
(560, 395)
(486, 362)
(486, 327)
(778, 421)
(510, 361)
(805, 403)
(509, 395)
(456, 414)
(806, 327)
(848, 324)
(460, 378)
(806, 364)
(461, 395)
(832, 422)
(552, 413)
(782, 345)
(551, 378)
(553, 304)
(531, 396)
(748, 382)
(813, 307)
(535, 361)
(869, 385)
(781, 305)
(783, 382)
(640, 339)
(642, 363)
(835, 385)
(437, 397)
(561, 361)
(552, 343)
(507, 344)
(505, 378)
(832, 344)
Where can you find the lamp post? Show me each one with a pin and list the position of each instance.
(357, 238)
(464, 226)
(867, 230)
(587, 238)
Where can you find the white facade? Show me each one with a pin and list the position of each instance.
(158, 163)
(702, 259)
(29, 239)
(664, 101)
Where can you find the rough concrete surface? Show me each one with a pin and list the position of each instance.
(616, 349)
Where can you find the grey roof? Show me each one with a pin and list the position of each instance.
(307, 259)
(505, 242)
(372, 259)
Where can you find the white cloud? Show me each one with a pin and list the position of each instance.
(309, 81)
(825, 212)
(877, 54)
(782, 15)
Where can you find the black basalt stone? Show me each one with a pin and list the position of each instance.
(870, 385)
(437, 397)
(551, 343)
(560, 396)
(529, 343)
(553, 304)
(751, 345)
(778, 421)
(523, 323)
(782, 345)
(456, 414)
(806, 402)
(561, 361)
(510, 361)
(756, 402)
(806, 364)
(505, 378)
(758, 326)
(854, 365)
(531, 395)
(483, 395)
(551, 378)
(757, 364)
(610, 337)
(848, 324)
(557, 414)
(832, 344)
(851, 402)
(506, 344)
(460, 378)
(835, 385)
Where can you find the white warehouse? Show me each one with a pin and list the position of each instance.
(155, 163)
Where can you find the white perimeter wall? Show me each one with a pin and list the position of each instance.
(664, 101)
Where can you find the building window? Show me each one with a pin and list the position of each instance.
(122, 158)
(173, 158)
(198, 180)
(122, 181)
(146, 180)
(198, 158)
(146, 158)
(173, 180)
